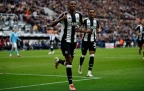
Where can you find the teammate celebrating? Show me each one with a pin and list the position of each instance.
(88, 41)
(140, 32)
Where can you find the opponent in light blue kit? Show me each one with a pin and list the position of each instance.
(13, 40)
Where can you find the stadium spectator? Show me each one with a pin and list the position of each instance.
(139, 31)
(114, 15)
(35, 28)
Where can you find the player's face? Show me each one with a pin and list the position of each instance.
(15, 30)
(91, 13)
(72, 5)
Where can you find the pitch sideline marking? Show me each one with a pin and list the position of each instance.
(45, 84)
(132, 56)
(38, 75)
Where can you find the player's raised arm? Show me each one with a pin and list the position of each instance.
(61, 18)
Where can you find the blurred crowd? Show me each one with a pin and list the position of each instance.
(118, 18)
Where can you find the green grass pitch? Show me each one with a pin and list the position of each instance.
(119, 69)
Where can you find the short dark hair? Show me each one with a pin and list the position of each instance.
(91, 9)
(70, 1)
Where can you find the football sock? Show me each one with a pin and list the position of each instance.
(51, 48)
(11, 51)
(63, 62)
(91, 62)
(16, 51)
(69, 73)
(82, 59)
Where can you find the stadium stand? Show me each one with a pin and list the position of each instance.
(118, 18)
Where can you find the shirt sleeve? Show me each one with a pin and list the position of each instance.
(137, 28)
(81, 22)
(61, 15)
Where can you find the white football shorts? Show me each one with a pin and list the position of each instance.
(14, 45)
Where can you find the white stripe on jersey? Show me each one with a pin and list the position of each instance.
(78, 23)
(69, 28)
(62, 32)
(93, 35)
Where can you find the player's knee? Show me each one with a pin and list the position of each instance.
(68, 62)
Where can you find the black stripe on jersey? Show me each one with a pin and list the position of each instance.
(98, 24)
(91, 24)
(73, 28)
(80, 19)
(137, 28)
(85, 25)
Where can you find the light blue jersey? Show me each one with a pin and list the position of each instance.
(14, 37)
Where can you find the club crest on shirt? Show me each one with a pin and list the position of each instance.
(66, 52)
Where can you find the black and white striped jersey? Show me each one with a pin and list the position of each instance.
(92, 25)
(68, 28)
(140, 29)
(52, 36)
